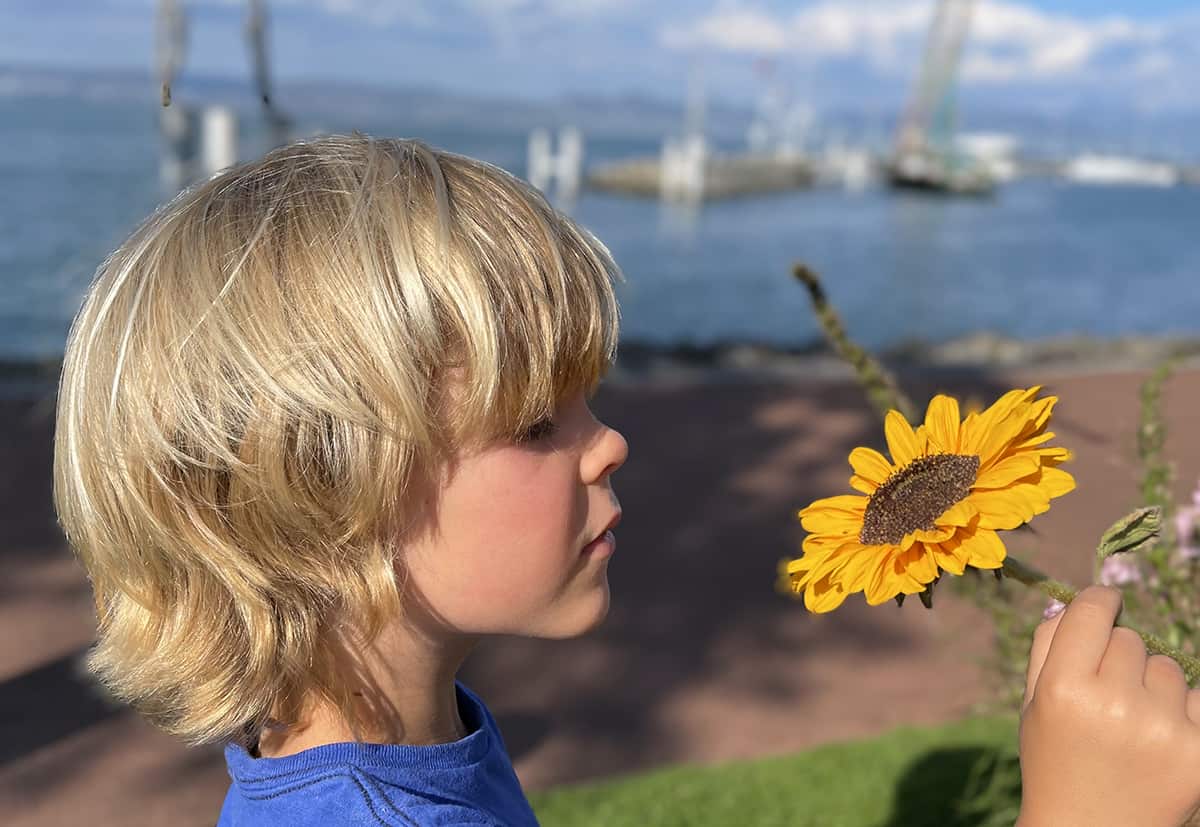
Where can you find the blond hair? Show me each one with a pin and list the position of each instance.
(256, 383)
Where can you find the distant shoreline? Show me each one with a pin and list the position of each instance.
(648, 363)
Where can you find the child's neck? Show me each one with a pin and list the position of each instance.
(405, 689)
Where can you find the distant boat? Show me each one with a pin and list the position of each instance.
(939, 172)
(996, 152)
(1091, 168)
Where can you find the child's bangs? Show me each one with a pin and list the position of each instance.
(535, 318)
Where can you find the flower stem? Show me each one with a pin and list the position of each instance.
(882, 390)
(1030, 576)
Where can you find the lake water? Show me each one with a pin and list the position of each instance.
(1043, 258)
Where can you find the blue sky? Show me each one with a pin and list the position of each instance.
(1138, 52)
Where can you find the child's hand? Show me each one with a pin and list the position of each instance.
(1108, 736)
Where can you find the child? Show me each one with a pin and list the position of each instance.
(323, 426)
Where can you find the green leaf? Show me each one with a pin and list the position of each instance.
(1135, 531)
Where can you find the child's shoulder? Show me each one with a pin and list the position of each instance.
(469, 781)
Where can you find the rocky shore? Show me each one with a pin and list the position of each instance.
(968, 355)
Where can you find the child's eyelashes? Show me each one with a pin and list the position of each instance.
(540, 430)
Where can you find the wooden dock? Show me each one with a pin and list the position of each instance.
(725, 176)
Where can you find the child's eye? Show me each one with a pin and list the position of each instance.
(541, 429)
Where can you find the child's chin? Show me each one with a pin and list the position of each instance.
(584, 615)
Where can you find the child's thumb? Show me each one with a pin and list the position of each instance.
(1037, 656)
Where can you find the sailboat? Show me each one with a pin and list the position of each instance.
(925, 156)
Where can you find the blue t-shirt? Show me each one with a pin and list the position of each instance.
(470, 781)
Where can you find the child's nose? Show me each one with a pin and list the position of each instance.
(608, 453)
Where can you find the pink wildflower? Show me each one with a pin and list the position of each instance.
(1187, 529)
(1117, 570)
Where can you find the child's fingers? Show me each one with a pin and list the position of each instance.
(1124, 660)
(1082, 636)
(1193, 706)
(1164, 679)
(1037, 655)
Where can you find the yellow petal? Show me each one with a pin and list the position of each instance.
(824, 596)
(1037, 414)
(941, 423)
(1042, 410)
(1054, 455)
(863, 484)
(1056, 482)
(844, 556)
(923, 568)
(1007, 508)
(834, 515)
(901, 439)
(808, 569)
(848, 503)
(884, 584)
(819, 559)
(1000, 410)
(821, 544)
(949, 557)
(970, 434)
(901, 561)
(834, 524)
(1007, 471)
(871, 465)
(960, 514)
(922, 437)
(1004, 405)
(937, 535)
(1034, 441)
(1000, 436)
(906, 569)
(798, 565)
(985, 549)
(857, 572)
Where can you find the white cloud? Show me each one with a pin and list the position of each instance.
(731, 30)
(557, 8)
(820, 30)
(1011, 41)
(1008, 40)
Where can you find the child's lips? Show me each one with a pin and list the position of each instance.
(606, 542)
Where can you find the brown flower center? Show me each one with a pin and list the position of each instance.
(916, 495)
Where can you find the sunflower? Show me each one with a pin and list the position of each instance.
(936, 506)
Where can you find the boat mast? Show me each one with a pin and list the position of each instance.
(928, 124)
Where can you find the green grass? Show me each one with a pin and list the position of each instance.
(958, 775)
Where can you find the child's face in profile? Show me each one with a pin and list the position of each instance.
(520, 544)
